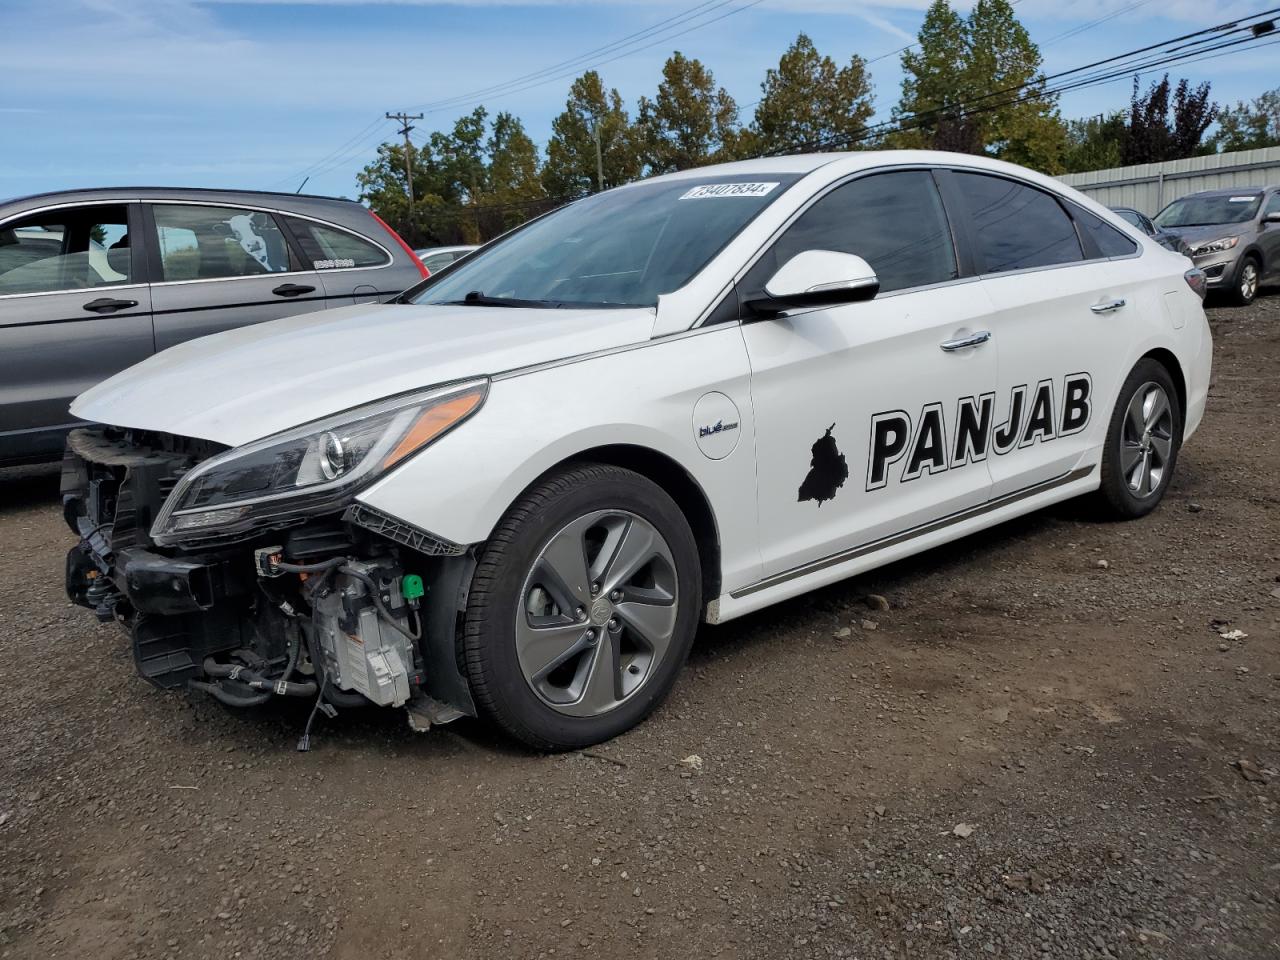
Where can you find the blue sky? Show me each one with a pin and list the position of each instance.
(257, 93)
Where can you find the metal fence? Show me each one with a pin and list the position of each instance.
(1149, 186)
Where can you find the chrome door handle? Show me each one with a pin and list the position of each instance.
(970, 340)
(1107, 306)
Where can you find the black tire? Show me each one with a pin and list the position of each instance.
(1115, 497)
(498, 683)
(1242, 294)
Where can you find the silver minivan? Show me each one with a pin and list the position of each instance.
(1234, 236)
(93, 281)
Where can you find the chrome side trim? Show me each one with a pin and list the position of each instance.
(912, 533)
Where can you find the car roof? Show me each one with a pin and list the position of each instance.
(1228, 192)
(179, 193)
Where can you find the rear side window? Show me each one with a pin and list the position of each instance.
(78, 248)
(208, 243)
(328, 248)
(1110, 241)
(1016, 226)
(894, 221)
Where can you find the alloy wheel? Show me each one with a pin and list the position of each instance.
(1248, 280)
(597, 613)
(1146, 441)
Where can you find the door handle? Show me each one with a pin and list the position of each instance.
(1107, 306)
(292, 290)
(970, 340)
(108, 305)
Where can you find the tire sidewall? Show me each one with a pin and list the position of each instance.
(1115, 487)
(491, 624)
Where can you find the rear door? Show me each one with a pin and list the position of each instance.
(217, 266)
(1061, 322)
(74, 309)
(353, 268)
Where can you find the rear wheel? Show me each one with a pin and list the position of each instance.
(582, 609)
(1246, 285)
(1142, 442)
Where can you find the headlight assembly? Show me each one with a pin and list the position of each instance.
(1215, 246)
(311, 469)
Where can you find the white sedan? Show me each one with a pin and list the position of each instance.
(516, 491)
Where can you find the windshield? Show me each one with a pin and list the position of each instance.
(617, 249)
(1203, 211)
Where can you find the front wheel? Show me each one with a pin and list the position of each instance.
(582, 608)
(1142, 442)
(1246, 286)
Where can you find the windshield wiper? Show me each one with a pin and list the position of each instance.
(478, 299)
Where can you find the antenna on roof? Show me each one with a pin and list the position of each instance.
(302, 184)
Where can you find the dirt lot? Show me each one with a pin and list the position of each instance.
(1032, 753)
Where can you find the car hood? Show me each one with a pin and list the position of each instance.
(248, 383)
(1214, 231)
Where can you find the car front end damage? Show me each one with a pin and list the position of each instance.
(254, 572)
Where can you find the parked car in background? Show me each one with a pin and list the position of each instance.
(1234, 236)
(93, 281)
(1166, 238)
(436, 259)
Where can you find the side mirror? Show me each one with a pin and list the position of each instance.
(815, 278)
(1272, 217)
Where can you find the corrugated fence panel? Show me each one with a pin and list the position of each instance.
(1150, 186)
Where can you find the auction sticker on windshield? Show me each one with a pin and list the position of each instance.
(727, 190)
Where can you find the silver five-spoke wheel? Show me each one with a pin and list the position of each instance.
(1248, 281)
(597, 612)
(1146, 440)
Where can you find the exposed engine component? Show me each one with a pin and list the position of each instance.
(361, 622)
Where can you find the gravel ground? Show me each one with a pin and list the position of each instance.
(1030, 753)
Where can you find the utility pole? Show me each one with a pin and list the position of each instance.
(595, 132)
(405, 127)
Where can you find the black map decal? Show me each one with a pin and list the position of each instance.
(827, 470)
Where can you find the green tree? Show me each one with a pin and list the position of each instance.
(807, 100)
(513, 183)
(570, 169)
(1249, 126)
(690, 122)
(1096, 143)
(975, 84)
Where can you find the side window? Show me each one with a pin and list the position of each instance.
(1110, 241)
(1016, 226)
(894, 221)
(76, 248)
(205, 243)
(1273, 205)
(328, 248)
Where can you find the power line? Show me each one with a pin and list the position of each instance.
(961, 111)
(463, 100)
(405, 128)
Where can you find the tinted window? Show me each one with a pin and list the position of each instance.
(78, 248)
(205, 243)
(1133, 217)
(438, 261)
(328, 248)
(1110, 241)
(894, 221)
(1016, 226)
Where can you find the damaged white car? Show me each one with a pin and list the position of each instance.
(517, 490)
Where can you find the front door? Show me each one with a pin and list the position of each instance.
(73, 311)
(871, 418)
(218, 267)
